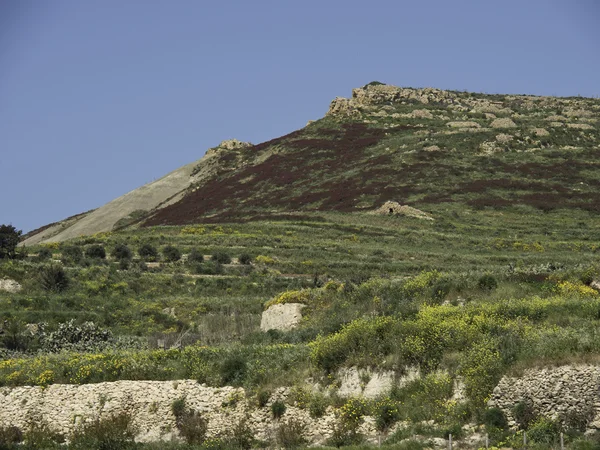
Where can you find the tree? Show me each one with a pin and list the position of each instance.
(171, 254)
(9, 239)
(122, 252)
(148, 252)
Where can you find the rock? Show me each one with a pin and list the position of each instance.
(390, 208)
(580, 126)
(422, 114)
(365, 383)
(463, 124)
(540, 132)
(595, 284)
(9, 285)
(504, 122)
(342, 106)
(283, 317)
(432, 148)
(504, 138)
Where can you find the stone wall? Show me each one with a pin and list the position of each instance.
(563, 393)
(64, 407)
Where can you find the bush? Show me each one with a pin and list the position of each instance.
(53, 278)
(71, 254)
(262, 398)
(221, 257)
(487, 283)
(115, 432)
(10, 435)
(278, 409)
(494, 418)
(70, 336)
(95, 251)
(195, 256)
(190, 424)
(317, 405)
(121, 252)
(386, 414)
(245, 259)
(290, 434)
(171, 254)
(44, 254)
(543, 431)
(524, 414)
(148, 252)
(233, 370)
(207, 268)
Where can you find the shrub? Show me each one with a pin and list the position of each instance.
(122, 252)
(494, 418)
(290, 434)
(262, 398)
(53, 278)
(487, 283)
(115, 432)
(543, 431)
(245, 259)
(44, 254)
(278, 409)
(317, 405)
(221, 257)
(266, 260)
(148, 252)
(191, 425)
(524, 414)
(71, 254)
(171, 254)
(70, 336)
(40, 436)
(241, 436)
(10, 435)
(195, 256)
(233, 370)
(386, 414)
(95, 251)
(208, 268)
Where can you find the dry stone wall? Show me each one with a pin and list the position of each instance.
(65, 407)
(564, 393)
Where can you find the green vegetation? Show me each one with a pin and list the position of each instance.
(9, 238)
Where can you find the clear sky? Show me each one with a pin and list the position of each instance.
(100, 97)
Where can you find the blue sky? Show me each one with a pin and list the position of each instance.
(98, 98)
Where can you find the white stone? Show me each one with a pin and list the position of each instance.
(9, 285)
(283, 317)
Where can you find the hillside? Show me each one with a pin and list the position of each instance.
(419, 147)
(416, 265)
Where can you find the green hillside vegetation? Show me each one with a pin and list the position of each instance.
(502, 279)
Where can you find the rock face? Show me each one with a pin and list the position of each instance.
(283, 317)
(565, 393)
(9, 285)
(370, 383)
(64, 407)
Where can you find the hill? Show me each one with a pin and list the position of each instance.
(419, 147)
(417, 264)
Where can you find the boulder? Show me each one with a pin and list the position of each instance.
(9, 285)
(283, 317)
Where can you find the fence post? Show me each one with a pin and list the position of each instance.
(487, 441)
(562, 442)
(450, 442)
(525, 438)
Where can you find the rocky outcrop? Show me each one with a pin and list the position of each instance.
(282, 317)
(9, 285)
(396, 209)
(564, 393)
(381, 94)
